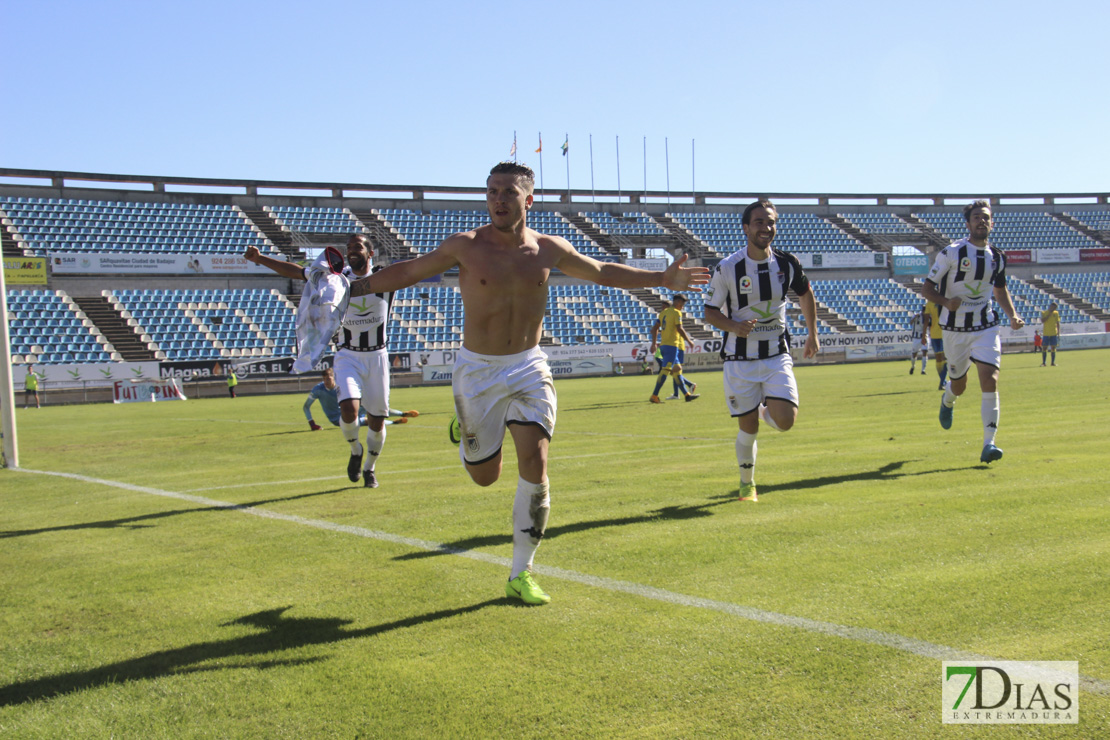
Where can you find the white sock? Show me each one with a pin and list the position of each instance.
(530, 508)
(990, 417)
(350, 433)
(923, 361)
(765, 417)
(745, 456)
(949, 397)
(375, 441)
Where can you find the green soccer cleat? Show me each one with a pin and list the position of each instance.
(524, 588)
(453, 430)
(945, 416)
(747, 492)
(990, 454)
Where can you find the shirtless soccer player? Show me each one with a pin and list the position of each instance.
(501, 378)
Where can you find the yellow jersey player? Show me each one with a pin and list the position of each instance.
(672, 345)
(1050, 334)
(936, 339)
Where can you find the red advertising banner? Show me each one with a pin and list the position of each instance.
(1019, 256)
(1094, 255)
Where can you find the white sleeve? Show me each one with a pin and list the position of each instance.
(941, 265)
(717, 294)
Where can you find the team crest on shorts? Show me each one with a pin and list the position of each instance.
(472, 443)
(732, 401)
(745, 284)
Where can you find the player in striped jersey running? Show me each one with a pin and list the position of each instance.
(362, 362)
(747, 301)
(964, 278)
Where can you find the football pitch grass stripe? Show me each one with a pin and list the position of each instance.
(856, 634)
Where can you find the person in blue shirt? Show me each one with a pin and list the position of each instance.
(327, 393)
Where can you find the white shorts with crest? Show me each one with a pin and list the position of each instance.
(493, 391)
(961, 347)
(749, 382)
(364, 376)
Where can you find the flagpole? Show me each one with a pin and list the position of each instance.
(645, 169)
(693, 173)
(667, 164)
(540, 150)
(512, 152)
(593, 193)
(566, 153)
(618, 168)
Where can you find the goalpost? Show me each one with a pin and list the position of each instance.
(7, 390)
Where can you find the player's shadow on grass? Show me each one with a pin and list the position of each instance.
(140, 522)
(275, 633)
(667, 513)
(601, 406)
(889, 472)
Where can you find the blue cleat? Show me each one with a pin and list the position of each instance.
(945, 416)
(990, 454)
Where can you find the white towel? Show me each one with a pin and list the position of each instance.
(323, 304)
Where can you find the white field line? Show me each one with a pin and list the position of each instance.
(856, 634)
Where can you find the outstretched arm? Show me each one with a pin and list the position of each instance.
(615, 275)
(290, 270)
(403, 274)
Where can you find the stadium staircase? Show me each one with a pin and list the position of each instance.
(936, 239)
(1069, 298)
(830, 317)
(114, 328)
(11, 247)
(280, 238)
(693, 326)
(1082, 228)
(867, 240)
(385, 239)
(687, 241)
(607, 242)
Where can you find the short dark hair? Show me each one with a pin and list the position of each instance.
(678, 297)
(515, 169)
(972, 206)
(761, 203)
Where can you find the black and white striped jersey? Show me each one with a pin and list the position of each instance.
(364, 326)
(744, 289)
(965, 271)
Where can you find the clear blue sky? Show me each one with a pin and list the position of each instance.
(952, 97)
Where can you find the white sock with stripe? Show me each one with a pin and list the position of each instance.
(746, 448)
(990, 417)
(530, 509)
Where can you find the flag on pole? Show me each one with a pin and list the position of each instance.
(566, 146)
(540, 147)
(512, 150)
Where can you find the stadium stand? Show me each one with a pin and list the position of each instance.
(872, 305)
(878, 223)
(45, 225)
(48, 328)
(318, 220)
(627, 224)
(423, 232)
(796, 232)
(209, 324)
(1013, 229)
(1092, 287)
(426, 318)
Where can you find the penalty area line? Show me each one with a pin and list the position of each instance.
(856, 634)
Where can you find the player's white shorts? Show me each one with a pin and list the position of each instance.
(364, 376)
(748, 382)
(493, 391)
(961, 347)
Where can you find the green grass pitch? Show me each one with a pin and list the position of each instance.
(315, 608)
